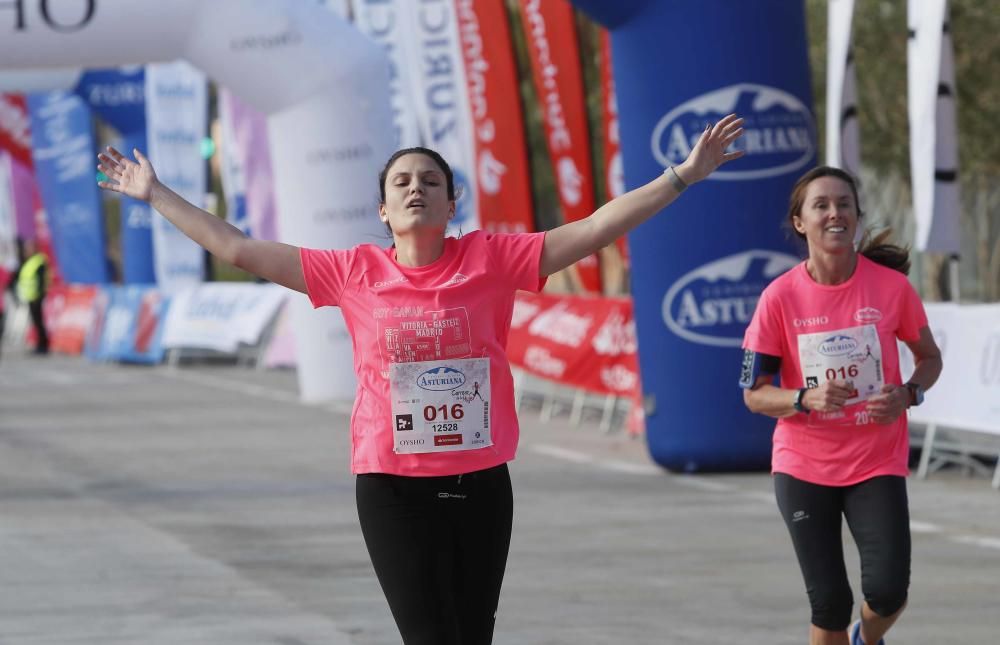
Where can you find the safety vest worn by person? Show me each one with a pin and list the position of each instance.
(29, 286)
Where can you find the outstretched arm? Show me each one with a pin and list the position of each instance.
(574, 241)
(273, 261)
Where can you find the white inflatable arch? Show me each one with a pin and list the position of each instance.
(323, 85)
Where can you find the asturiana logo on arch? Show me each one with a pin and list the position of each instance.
(779, 132)
(441, 379)
(712, 304)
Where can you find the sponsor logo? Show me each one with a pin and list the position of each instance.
(798, 516)
(266, 42)
(548, 74)
(619, 378)
(410, 442)
(839, 345)
(542, 362)
(779, 131)
(560, 325)
(339, 154)
(404, 422)
(441, 379)
(79, 14)
(458, 278)
(491, 172)
(15, 122)
(463, 202)
(712, 304)
(388, 283)
(810, 322)
(117, 94)
(448, 440)
(868, 315)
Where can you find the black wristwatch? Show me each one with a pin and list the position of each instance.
(916, 393)
(797, 404)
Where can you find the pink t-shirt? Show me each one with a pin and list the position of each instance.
(467, 294)
(796, 318)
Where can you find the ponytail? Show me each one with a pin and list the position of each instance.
(878, 249)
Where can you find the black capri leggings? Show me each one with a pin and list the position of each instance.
(878, 516)
(439, 547)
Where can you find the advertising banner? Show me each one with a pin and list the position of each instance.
(843, 148)
(63, 150)
(504, 197)
(177, 121)
(118, 96)
(550, 31)
(70, 316)
(614, 174)
(221, 315)
(584, 342)
(385, 22)
(435, 66)
(933, 136)
(698, 269)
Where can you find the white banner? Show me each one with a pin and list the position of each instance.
(967, 395)
(176, 123)
(436, 68)
(933, 139)
(232, 171)
(843, 149)
(221, 315)
(385, 22)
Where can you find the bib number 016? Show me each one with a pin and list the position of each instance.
(454, 412)
(851, 371)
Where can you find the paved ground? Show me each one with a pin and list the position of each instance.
(206, 505)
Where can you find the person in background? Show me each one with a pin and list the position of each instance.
(32, 285)
(828, 327)
(434, 422)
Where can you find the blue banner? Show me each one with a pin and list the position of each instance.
(129, 325)
(698, 269)
(119, 98)
(63, 149)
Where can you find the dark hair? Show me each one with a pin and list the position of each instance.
(438, 159)
(876, 248)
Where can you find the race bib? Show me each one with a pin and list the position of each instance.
(440, 406)
(854, 355)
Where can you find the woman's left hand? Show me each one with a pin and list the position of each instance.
(710, 151)
(886, 406)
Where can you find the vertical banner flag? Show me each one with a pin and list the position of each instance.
(550, 30)
(698, 270)
(247, 140)
(15, 138)
(614, 174)
(933, 137)
(63, 150)
(386, 22)
(232, 171)
(843, 149)
(118, 96)
(8, 226)
(434, 65)
(176, 120)
(504, 194)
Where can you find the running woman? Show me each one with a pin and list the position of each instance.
(429, 449)
(828, 327)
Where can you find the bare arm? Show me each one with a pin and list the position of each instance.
(273, 261)
(766, 398)
(574, 241)
(894, 399)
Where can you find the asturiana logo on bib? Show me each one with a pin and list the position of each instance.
(838, 345)
(779, 130)
(712, 304)
(441, 379)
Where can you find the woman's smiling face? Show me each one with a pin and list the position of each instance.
(829, 215)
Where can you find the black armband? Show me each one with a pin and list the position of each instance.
(755, 364)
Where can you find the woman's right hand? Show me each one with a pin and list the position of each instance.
(134, 179)
(828, 397)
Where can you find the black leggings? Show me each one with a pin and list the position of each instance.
(878, 516)
(439, 547)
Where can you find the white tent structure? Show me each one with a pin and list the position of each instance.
(323, 85)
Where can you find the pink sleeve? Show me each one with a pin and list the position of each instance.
(764, 333)
(326, 273)
(518, 258)
(912, 317)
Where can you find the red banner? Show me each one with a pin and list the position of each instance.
(504, 188)
(614, 174)
(69, 312)
(15, 127)
(550, 31)
(582, 341)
